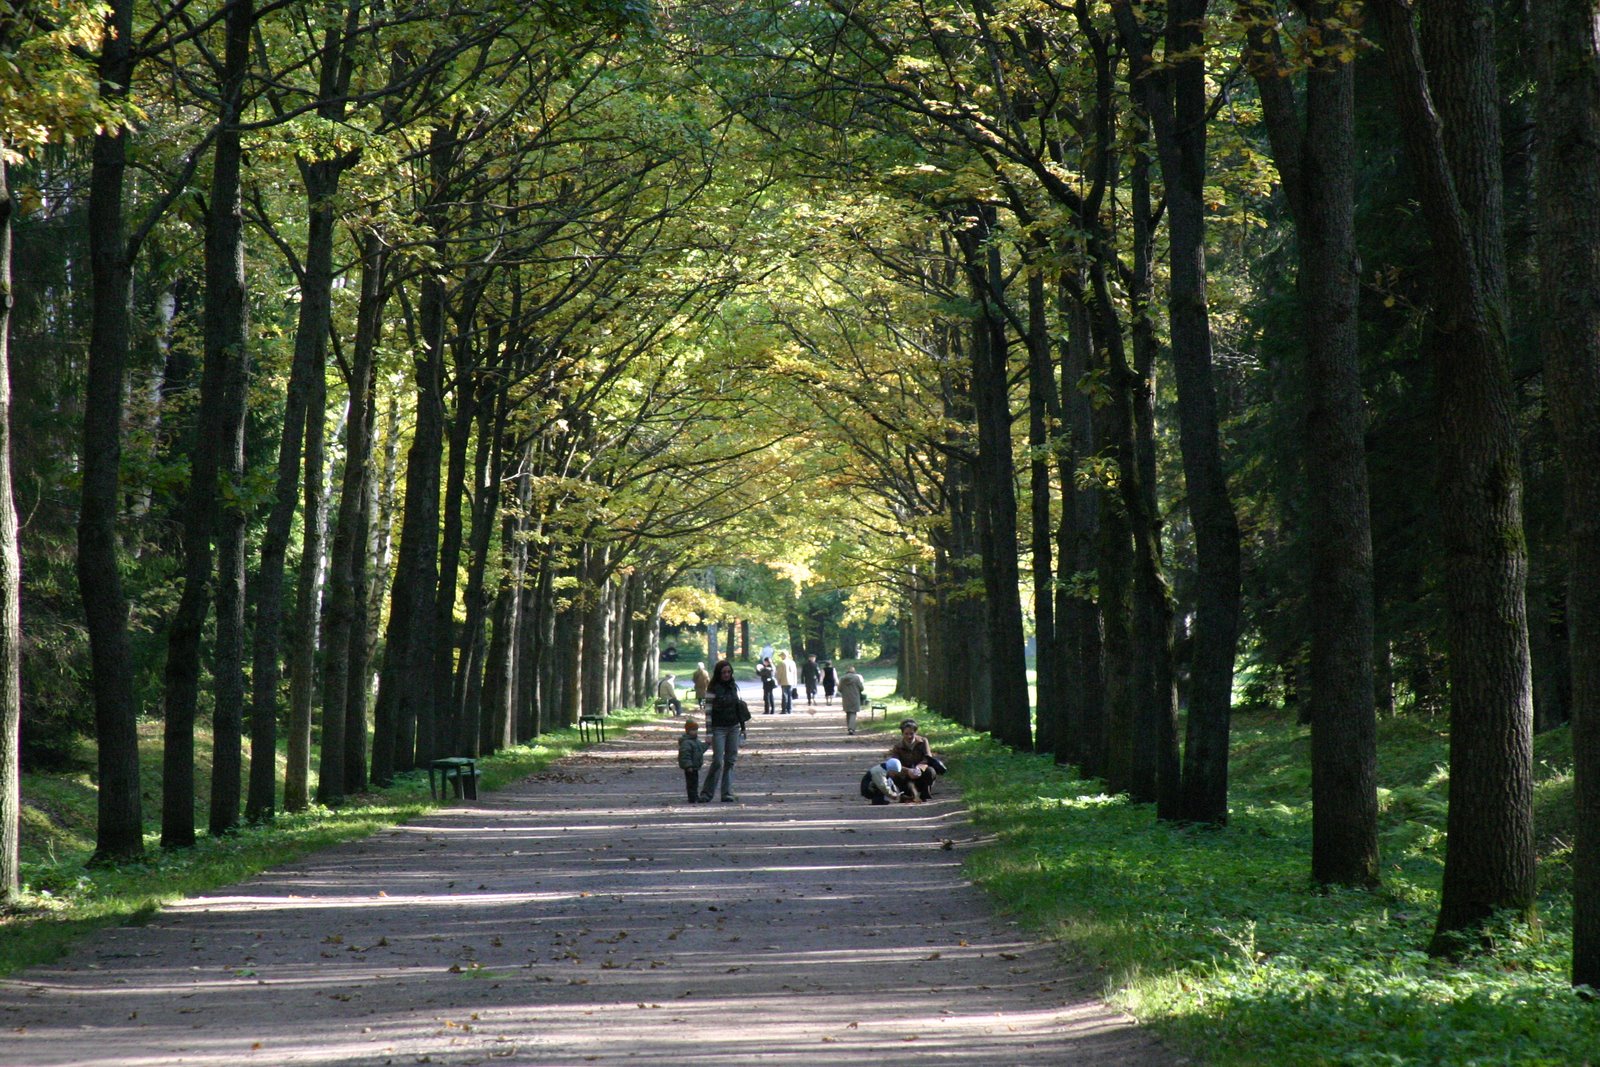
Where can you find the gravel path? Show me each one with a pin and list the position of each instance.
(589, 915)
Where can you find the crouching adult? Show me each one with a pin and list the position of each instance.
(919, 767)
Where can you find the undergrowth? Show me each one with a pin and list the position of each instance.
(1219, 939)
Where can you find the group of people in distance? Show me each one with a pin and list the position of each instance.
(906, 775)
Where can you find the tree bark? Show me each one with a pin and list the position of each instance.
(1048, 685)
(1175, 99)
(119, 830)
(1318, 175)
(10, 587)
(224, 331)
(316, 311)
(349, 548)
(996, 492)
(1489, 858)
(227, 332)
(1077, 538)
(1568, 231)
(1156, 759)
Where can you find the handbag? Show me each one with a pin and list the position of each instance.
(937, 764)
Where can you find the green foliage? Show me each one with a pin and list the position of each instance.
(1219, 939)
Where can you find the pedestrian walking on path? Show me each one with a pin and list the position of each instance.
(787, 677)
(852, 689)
(726, 715)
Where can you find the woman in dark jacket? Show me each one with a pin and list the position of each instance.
(725, 716)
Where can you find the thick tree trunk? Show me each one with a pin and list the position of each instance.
(362, 638)
(316, 311)
(345, 587)
(1344, 833)
(501, 665)
(224, 335)
(405, 688)
(1156, 759)
(1176, 101)
(119, 831)
(1077, 540)
(10, 588)
(303, 645)
(487, 470)
(227, 334)
(1318, 172)
(1489, 860)
(1569, 256)
(996, 494)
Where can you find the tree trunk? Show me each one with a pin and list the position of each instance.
(1156, 760)
(485, 502)
(224, 332)
(996, 493)
(303, 646)
(1569, 256)
(405, 688)
(315, 314)
(10, 587)
(119, 831)
(500, 666)
(227, 333)
(1175, 98)
(1077, 538)
(1319, 182)
(1489, 859)
(443, 739)
(341, 634)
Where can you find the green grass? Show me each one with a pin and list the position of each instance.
(63, 898)
(1219, 939)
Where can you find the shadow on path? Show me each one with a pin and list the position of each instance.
(588, 914)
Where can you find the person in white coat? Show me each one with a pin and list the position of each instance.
(788, 678)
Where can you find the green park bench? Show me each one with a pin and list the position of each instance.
(878, 709)
(591, 723)
(461, 772)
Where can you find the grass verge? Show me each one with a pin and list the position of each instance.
(63, 898)
(1219, 939)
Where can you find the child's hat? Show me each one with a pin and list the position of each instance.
(690, 724)
(891, 765)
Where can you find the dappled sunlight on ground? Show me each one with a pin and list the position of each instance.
(590, 914)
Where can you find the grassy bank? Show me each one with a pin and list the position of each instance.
(1219, 939)
(64, 898)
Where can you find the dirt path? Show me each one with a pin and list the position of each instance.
(589, 915)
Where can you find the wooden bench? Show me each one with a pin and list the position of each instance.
(664, 707)
(459, 771)
(595, 723)
(878, 708)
